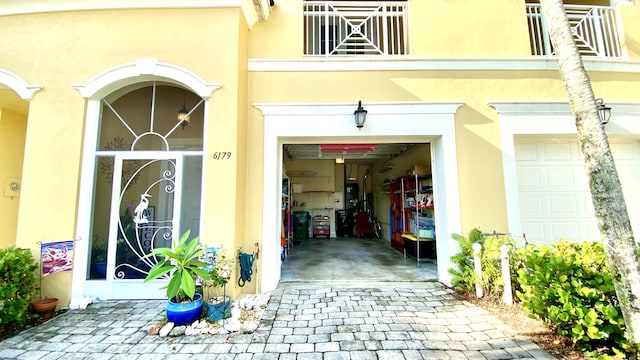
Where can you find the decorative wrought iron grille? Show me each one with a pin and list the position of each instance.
(594, 29)
(347, 28)
(141, 231)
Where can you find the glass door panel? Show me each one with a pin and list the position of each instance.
(146, 215)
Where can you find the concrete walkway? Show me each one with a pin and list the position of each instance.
(421, 321)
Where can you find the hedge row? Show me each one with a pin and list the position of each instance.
(569, 287)
(566, 285)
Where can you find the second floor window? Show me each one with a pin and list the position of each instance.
(347, 28)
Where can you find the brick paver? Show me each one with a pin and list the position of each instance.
(426, 322)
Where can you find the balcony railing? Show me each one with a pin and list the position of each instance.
(594, 30)
(350, 28)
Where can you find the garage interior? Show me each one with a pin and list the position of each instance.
(330, 194)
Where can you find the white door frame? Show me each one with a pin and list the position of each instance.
(94, 90)
(388, 122)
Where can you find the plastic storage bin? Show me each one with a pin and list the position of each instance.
(300, 225)
(321, 226)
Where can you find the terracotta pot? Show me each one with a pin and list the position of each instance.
(44, 305)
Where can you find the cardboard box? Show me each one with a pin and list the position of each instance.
(420, 170)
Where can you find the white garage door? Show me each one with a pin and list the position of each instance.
(555, 202)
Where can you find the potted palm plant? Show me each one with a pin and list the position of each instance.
(182, 266)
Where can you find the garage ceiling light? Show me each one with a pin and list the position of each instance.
(347, 148)
(369, 151)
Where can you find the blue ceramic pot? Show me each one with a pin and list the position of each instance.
(100, 269)
(219, 311)
(184, 313)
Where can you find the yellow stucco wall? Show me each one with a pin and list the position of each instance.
(477, 130)
(12, 132)
(56, 50)
(630, 16)
(443, 28)
(59, 49)
(439, 28)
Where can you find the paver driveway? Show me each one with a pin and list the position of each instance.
(419, 321)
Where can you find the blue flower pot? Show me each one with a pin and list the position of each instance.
(100, 269)
(184, 313)
(219, 311)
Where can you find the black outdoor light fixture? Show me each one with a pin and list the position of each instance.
(183, 117)
(604, 111)
(183, 113)
(360, 115)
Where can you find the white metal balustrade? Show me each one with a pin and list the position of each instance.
(594, 30)
(349, 28)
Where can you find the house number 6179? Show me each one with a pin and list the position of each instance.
(222, 155)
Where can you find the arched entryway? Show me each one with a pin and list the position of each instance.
(142, 175)
(15, 94)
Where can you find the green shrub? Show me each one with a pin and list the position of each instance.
(464, 277)
(18, 284)
(568, 286)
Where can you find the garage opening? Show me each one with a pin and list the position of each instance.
(358, 212)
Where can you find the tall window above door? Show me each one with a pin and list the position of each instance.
(151, 117)
(356, 28)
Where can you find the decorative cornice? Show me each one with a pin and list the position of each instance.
(379, 108)
(556, 107)
(253, 10)
(443, 64)
(116, 77)
(18, 84)
(17, 7)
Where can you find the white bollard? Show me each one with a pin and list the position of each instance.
(478, 268)
(506, 275)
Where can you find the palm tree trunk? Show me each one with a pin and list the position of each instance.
(606, 191)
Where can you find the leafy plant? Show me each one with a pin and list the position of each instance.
(569, 287)
(220, 272)
(183, 261)
(18, 286)
(218, 303)
(490, 258)
(464, 278)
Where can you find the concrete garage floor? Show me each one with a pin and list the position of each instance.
(344, 260)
